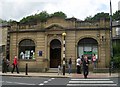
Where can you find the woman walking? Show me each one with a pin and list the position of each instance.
(69, 65)
(15, 64)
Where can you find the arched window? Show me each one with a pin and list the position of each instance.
(27, 49)
(88, 46)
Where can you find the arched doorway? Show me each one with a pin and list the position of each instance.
(87, 46)
(55, 53)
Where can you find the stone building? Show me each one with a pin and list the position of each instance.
(4, 40)
(116, 31)
(42, 45)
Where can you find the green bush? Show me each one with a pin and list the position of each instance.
(116, 61)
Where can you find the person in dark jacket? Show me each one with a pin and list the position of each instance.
(4, 66)
(85, 66)
(70, 65)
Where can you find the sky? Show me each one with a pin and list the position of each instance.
(17, 9)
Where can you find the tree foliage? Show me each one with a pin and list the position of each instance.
(41, 17)
(33, 19)
(3, 21)
(116, 56)
(98, 16)
(12, 22)
(116, 15)
(103, 15)
(88, 18)
(58, 14)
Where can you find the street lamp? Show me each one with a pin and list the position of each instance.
(111, 48)
(64, 34)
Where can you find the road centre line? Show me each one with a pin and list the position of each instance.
(46, 81)
(19, 83)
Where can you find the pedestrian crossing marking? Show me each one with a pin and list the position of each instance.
(92, 82)
(91, 79)
(110, 85)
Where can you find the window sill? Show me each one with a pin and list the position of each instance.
(27, 59)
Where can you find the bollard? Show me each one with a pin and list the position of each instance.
(63, 70)
(26, 69)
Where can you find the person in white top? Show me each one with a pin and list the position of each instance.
(78, 61)
(94, 60)
(59, 69)
(64, 66)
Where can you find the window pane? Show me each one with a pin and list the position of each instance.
(26, 49)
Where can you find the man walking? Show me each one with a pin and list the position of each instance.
(85, 67)
(70, 64)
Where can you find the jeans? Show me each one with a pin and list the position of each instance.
(15, 66)
(69, 68)
(94, 64)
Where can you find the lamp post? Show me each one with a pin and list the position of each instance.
(64, 34)
(111, 48)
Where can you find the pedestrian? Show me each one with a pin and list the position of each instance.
(64, 62)
(70, 64)
(94, 60)
(15, 64)
(78, 65)
(8, 64)
(4, 66)
(85, 66)
(82, 58)
(59, 69)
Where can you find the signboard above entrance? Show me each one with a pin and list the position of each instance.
(87, 52)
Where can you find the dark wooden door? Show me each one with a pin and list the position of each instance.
(55, 57)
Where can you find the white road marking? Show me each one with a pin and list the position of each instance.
(23, 83)
(8, 82)
(87, 85)
(1, 81)
(19, 83)
(17, 77)
(93, 82)
(41, 84)
(45, 81)
(91, 79)
(52, 78)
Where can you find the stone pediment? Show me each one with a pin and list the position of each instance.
(54, 27)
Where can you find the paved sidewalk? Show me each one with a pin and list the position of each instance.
(55, 75)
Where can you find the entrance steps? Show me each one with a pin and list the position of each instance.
(52, 70)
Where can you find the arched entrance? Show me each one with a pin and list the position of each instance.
(55, 53)
(88, 46)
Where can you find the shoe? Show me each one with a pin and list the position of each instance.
(85, 77)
